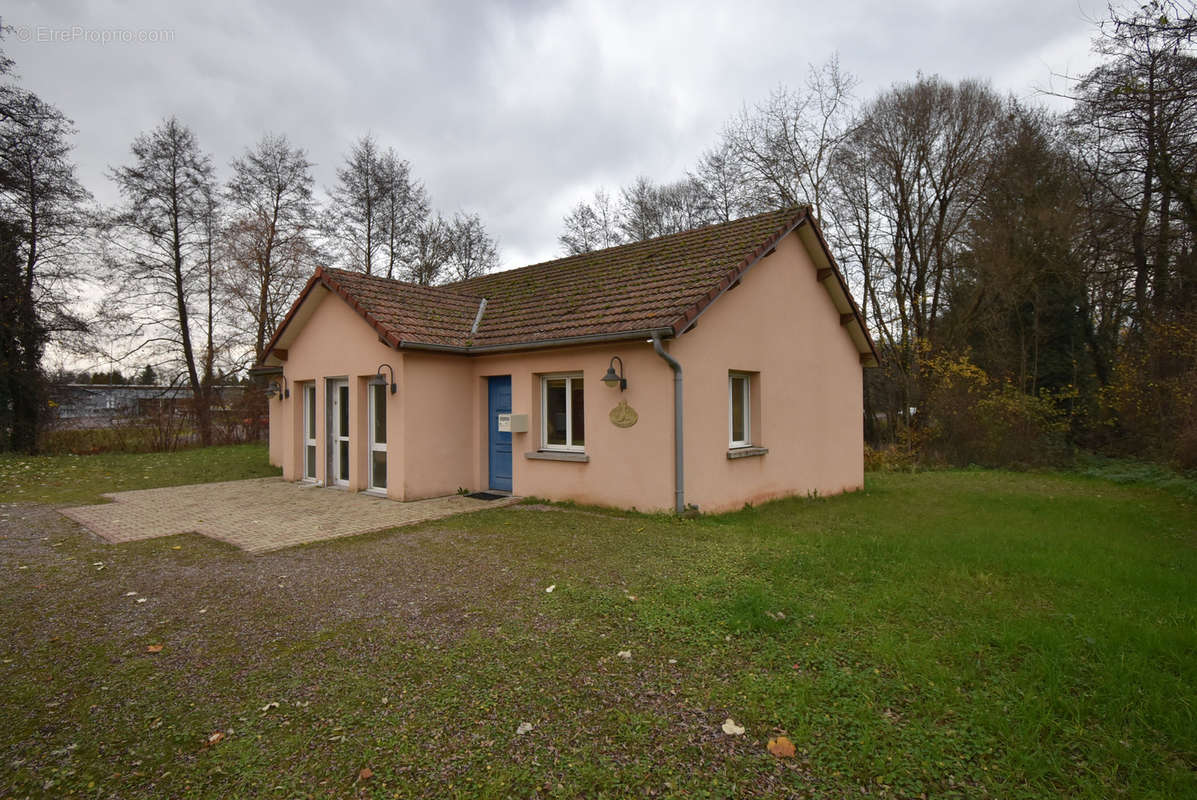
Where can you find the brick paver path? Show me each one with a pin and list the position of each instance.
(261, 514)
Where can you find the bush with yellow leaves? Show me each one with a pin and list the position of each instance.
(969, 418)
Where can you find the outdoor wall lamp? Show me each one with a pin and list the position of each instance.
(394, 386)
(612, 379)
(282, 391)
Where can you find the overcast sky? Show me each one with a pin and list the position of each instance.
(512, 110)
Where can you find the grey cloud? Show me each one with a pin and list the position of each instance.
(512, 110)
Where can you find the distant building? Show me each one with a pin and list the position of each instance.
(95, 405)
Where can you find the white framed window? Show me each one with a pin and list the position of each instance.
(739, 409)
(562, 413)
(309, 431)
(338, 433)
(378, 436)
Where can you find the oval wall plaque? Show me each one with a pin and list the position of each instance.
(623, 415)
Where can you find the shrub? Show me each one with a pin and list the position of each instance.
(1149, 408)
(904, 455)
(968, 418)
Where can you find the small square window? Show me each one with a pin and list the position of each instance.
(562, 413)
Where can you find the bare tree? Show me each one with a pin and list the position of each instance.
(431, 252)
(640, 214)
(402, 209)
(269, 239)
(785, 145)
(724, 186)
(354, 220)
(581, 234)
(927, 147)
(474, 251)
(683, 206)
(591, 226)
(909, 174)
(156, 245)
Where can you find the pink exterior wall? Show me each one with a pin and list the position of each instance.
(808, 412)
(779, 323)
(335, 342)
(627, 467)
(439, 401)
(276, 433)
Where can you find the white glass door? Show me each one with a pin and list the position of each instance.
(309, 431)
(378, 436)
(338, 398)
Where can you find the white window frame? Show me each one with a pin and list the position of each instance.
(568, 447)
(336, 435)
(375, 447)
(310, 469)
(747, 406)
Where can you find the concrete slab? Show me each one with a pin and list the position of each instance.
(262, 514)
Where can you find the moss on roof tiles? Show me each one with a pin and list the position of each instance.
(630, 288)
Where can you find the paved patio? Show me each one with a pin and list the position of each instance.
(262, 514)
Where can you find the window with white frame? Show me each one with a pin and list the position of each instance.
(739, 409)
(562, 413)
(309, 431)
(378, 436)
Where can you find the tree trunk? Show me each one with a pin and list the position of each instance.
(203, 419)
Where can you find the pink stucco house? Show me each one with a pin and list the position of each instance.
(732, 354)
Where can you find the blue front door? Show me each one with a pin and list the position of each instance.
(499, 392)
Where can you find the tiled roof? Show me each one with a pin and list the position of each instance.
(657, 285)
(632, 288)
(407, 312)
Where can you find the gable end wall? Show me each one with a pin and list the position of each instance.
(781, 323)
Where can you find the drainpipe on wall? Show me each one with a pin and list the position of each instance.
(679, 464)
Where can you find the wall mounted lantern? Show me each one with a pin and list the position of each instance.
(282, 392)
(612, 379)
(382, 378)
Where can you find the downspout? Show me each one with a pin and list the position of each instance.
(679, 464)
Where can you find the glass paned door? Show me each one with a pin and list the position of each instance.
(338, 396)
(309, 431)
(378, 436)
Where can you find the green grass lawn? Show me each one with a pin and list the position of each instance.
(953, 634)
(72, 479)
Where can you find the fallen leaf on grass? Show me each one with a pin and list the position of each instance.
(153, 648)
(625, 654)
(216, 737)
(781, 747)
(270, 705)
(365, 774)
(550, 589)
(177, 547)
(731, 728)
(130, 594)
(524, 727)
(141, 599)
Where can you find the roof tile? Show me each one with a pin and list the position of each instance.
(656, 285)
